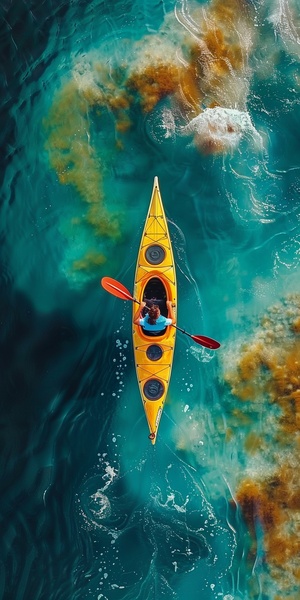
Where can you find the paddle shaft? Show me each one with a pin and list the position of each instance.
(118, 289)
(183, 330)
(199, 339)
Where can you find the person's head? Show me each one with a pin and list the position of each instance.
(153, 314)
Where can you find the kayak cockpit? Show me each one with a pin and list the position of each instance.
(155, 293)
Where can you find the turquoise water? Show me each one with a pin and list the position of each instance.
(98, 98)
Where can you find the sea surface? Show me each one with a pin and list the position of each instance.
(98, 98)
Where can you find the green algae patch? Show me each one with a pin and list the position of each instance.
(78, 165)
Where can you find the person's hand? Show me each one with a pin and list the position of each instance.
(169, 304)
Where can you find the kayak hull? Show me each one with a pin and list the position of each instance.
(155, 276)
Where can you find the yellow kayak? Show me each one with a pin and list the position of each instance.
(155, 279)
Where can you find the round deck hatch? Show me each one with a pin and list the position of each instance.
(155, 254)
(153, 389)
(154, 352)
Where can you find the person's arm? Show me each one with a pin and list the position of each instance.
(171, 314)
(138, 315)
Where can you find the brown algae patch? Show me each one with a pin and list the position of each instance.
(200, 69)
(154, 83)
(221, 58)
(207, 67)
(266, 378)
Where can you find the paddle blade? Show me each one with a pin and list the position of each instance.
(116, 288)
(206, 341)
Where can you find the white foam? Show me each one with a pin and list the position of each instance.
(224, 127)
(103, 510)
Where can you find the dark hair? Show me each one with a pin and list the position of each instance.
(153, 314)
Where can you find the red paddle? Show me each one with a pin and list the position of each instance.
(117, 289)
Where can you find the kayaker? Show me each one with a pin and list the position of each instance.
(153, 320)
